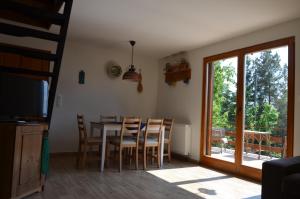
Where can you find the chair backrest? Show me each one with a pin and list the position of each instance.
(111, 118)
(153, 129)
(130, 126)
(218, 133)
(168, 123)
(81, 127)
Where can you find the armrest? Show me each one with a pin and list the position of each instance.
(273, 173)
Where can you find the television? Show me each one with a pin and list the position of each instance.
(22, 97)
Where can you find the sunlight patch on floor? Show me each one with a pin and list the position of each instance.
(184, 174)
(209, 184)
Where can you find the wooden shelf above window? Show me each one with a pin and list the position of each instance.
(179, 72)
(172, 77)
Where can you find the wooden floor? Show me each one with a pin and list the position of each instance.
(177, 180)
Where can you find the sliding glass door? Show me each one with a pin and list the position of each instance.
(247, 110)
(222, 113)
(266, 103)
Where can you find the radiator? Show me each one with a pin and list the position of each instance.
(181, 139)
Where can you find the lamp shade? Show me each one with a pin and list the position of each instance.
(131, 75)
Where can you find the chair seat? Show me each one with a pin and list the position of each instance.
(126, 140)
(150, 141)
(166, 140)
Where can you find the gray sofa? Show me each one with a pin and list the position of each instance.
(281, 179)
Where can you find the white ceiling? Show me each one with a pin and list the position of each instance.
(164, 27)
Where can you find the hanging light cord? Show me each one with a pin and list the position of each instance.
(132, 55)
(132, 52)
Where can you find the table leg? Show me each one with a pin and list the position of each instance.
(92, 130)
(162, 147)
(259, 147)
(245, 143)
(269, 144)
(103, 148)
(253, 142)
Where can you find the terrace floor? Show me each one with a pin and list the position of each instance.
(249, 159)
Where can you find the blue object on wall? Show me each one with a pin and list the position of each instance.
(81, 77)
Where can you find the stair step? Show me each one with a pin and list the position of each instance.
(18, 31)
(28, 52)
(35, 13)
(23, 71)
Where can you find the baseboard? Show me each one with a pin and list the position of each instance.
(184, 158)
(174, 155)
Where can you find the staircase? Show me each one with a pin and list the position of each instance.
(40, 15)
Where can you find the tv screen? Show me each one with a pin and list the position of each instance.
(22, 97)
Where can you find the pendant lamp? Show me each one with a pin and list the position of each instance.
(131, 74)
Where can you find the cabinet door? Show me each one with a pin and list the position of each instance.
(27, 172)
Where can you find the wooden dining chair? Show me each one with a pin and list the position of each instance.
(152, 139)
(129, 138)
(85, 142)
(168, 123)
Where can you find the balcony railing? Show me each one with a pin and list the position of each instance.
(257, 142)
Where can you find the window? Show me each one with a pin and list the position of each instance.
(248, 107)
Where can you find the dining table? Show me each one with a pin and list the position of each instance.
(259, 136)
(106, 127)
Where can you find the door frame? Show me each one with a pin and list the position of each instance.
(237, 167)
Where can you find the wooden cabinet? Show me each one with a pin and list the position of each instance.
(21, 152)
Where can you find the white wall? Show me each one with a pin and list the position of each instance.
(106, 96)
(184, 101)
(99, 94)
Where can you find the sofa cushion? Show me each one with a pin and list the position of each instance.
(274, 172)
(291, 186)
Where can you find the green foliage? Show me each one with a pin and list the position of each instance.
(251, 121)
(222, 95)
(268, 118)
(265, 94)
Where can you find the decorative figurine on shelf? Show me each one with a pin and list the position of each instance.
(177, 72)
(81, 77)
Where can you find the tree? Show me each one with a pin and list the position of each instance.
(269, 118)
(223, 97)
(266, 84)
(265, 93)
(251, 112)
